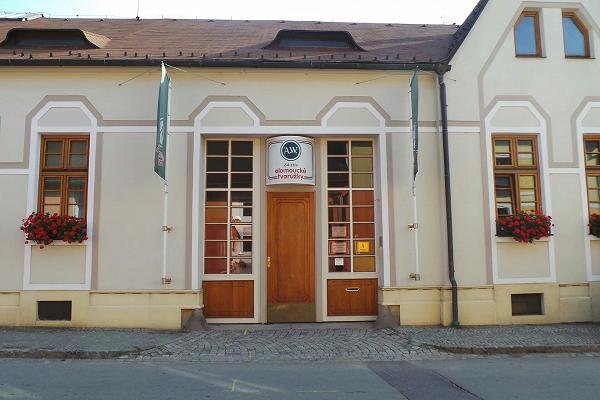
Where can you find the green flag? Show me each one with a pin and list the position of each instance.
(414, 103)
(162, 125)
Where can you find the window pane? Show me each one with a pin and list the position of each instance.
(215, 214)
(241, 148)
(51, 197)
(503, 182)
(216, 164)
(241, 249)
(241, 266)
(215, 232)
(574, 38)
(338, 198)
(362, 148)
(53, 160)
(78, 147)
(54, 147)
(525, 159)
(592, 146)
(52, 209)
(339, 231)
(593, 181)
(337, 164)
(215, 249)
(364, 264)
(241, 198)
(525, 149)
(241, 180)
(527, 181)
(216, 180)
(215, 265)
(241, 232)
(339, 214)
(76, 183)
(594, 195)
(78, 160)
(363, 214)
(362, 197)
(362, 180)
(525, 146)
(364, 247)
(337, 148)
(216, 198)
(360, 164)
(239, 214)
(504, 209)
(528, 196)
(339, 247)
(217, 148)
(525, 36)
(338, 180)
(502, 150)
(243, 164)
(363, 230)
(592, 159)
(52, 184)
(528, 207)
(339, 264)
(76, 210)
(595, 208)
(76, 197)
(503, 196)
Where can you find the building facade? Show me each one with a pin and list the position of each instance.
(351, 242)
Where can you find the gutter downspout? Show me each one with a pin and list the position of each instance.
(448, 197)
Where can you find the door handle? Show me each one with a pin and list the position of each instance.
(352, 289)
(268, 262)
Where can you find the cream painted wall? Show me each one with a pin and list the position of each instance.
(13, 204)
(523, 260)
(58, 264)
(130, 220)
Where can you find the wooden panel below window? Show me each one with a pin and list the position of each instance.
(347, 297)
(228, 299)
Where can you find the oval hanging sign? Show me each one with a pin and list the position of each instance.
(290, 160)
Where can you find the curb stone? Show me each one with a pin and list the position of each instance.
(517, 349)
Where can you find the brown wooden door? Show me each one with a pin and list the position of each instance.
(291, 257)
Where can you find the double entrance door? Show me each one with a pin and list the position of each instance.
(291, 257)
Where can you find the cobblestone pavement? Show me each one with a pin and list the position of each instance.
(560, 337)
(310, 342)
(327, 342)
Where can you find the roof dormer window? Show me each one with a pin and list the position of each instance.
(314, 39)
(53, 39)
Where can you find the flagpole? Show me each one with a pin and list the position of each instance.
(166, 228)
(414, 123)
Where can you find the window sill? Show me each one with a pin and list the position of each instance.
(579, 58)
(61, 243)
(504, 239)
(528, 56)
(592, 237)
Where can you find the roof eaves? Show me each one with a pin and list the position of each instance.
(463, 31)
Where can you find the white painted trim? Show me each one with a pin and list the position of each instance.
(33, 174)
(581, 131)
(574, 171)
(197, 152)
(14, 172)
(541, 131)
(287, 129)
(227, 104)
(385, 211)
(353, 105)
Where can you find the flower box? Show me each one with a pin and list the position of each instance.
(44, 229)
(594, 225)
(525, 227)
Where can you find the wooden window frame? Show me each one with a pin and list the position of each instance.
(63, 172)
(514, 170)
(230, 230)
(349, 239)
(538, 34)
(590, 170)
(584, 30)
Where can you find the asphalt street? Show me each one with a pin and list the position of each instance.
(529, 377)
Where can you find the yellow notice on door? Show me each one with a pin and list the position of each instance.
(362, 247)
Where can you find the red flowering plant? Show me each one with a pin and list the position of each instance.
(594, 225)
(44, 229)
(525, 227)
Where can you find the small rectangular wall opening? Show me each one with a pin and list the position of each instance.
(54, 310)
(527, 304)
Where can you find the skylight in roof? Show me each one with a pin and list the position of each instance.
(314, 39)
